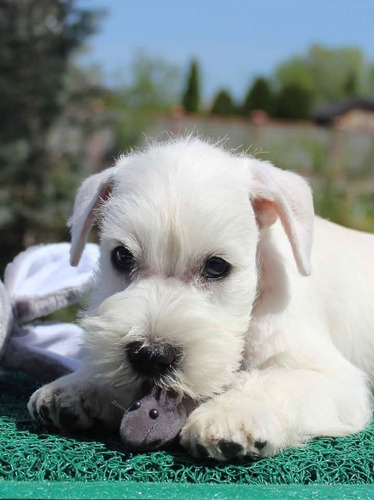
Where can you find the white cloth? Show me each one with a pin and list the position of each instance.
(38, 282)
(60, 341)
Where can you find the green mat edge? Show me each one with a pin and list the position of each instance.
(130, 490)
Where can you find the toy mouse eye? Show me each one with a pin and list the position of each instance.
(135, 405)
(215, 268)
(123, 260)
(153, 413)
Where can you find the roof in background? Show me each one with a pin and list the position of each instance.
(325, 114)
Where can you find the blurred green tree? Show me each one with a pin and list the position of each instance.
(149, 87)
(328, 73)
(350, 86)
(223, 104)
(370, 77)
(293, 102)
(37, 38)
(259, 96)
(191, 95)
(152, 86)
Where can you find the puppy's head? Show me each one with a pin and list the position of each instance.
(177, 278)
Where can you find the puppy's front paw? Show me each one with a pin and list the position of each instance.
(73, 406)
(217, 431)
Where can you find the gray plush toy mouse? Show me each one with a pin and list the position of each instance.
(155, 419)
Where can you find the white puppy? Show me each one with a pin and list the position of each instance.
(205, 286)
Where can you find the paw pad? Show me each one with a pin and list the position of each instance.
(68, 419)
(260, 444)
(202, 452)
(229, 449)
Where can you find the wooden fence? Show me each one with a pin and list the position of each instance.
(338, 162)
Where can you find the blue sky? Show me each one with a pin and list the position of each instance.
(234, 40)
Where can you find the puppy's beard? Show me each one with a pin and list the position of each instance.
(209, 340)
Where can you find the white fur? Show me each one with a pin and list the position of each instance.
(277, 357)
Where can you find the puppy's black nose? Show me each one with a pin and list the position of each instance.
(151, 359)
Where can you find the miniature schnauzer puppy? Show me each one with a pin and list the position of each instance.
(205, 286)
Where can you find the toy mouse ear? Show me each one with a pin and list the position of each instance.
(278, 193)
(91, 195)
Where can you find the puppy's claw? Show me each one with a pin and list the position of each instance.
(43, 414)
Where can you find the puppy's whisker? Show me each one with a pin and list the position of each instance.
(116, 403)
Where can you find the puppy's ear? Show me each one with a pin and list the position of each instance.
(278, 193)
(91, 195)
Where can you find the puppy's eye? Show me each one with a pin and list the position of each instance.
(123, 259)
(215, 268)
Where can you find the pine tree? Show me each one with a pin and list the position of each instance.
(259, 96)
(223, 104)
(191, 96)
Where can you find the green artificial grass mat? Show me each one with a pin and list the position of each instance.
(166, 491)
(28, 453)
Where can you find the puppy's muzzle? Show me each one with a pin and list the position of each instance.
(151, 359)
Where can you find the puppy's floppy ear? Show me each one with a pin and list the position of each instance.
(91, 195)
(278, 193)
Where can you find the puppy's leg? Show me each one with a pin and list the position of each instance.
(270, 410)
(76, 402)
